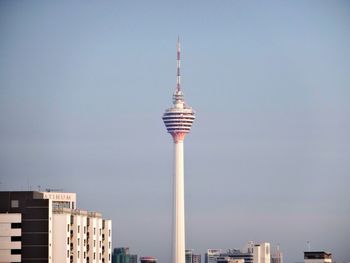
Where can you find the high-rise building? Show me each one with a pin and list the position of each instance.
(277, 256)
(317, 257)
(212, 255)
(178, 120)
(46, 227)
(122, 255)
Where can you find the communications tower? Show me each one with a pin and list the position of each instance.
(178, 120)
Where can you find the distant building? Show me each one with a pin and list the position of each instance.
(229, 260)
(148, 260)
(189, 255)
(212, 255)
(237, 254)
(122, 255)
(133, 258)
(261, 252)
(196, 258)
(277, 256)
(265, 254)
(317, 257)
(47, 227)
(252, 253)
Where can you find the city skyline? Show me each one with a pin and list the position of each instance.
(269, 159)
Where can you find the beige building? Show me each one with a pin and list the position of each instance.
(261, 252)
(41, 227)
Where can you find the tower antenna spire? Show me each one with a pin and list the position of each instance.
(178, 60)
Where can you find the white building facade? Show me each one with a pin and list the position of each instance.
(261, 252)
(86, 237)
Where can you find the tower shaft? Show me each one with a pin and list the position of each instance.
(179, 204)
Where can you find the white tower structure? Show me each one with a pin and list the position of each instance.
(178, 120)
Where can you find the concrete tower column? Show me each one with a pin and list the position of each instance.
(179, 204)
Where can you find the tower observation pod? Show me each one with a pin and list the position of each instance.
(178, 120)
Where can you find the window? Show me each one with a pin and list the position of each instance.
(100, 243)
(84, 254)
(14, 203)
(78, 241)
(109, 244)
(94, 243)
(67, 240)
(94, 230)
(67, 253)
(84, 229)
(78, 254)
(100, 256)
(78, 229)
(100, 231)
(15, 252)
(16, 238)
(109, 233)
(16, 225)
(67, 227)
(109, 256)
(94, 255)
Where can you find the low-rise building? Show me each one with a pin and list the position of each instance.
(317, 257)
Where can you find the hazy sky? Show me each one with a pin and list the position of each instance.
(83, 86)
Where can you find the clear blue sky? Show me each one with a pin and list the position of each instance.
(83, 86)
